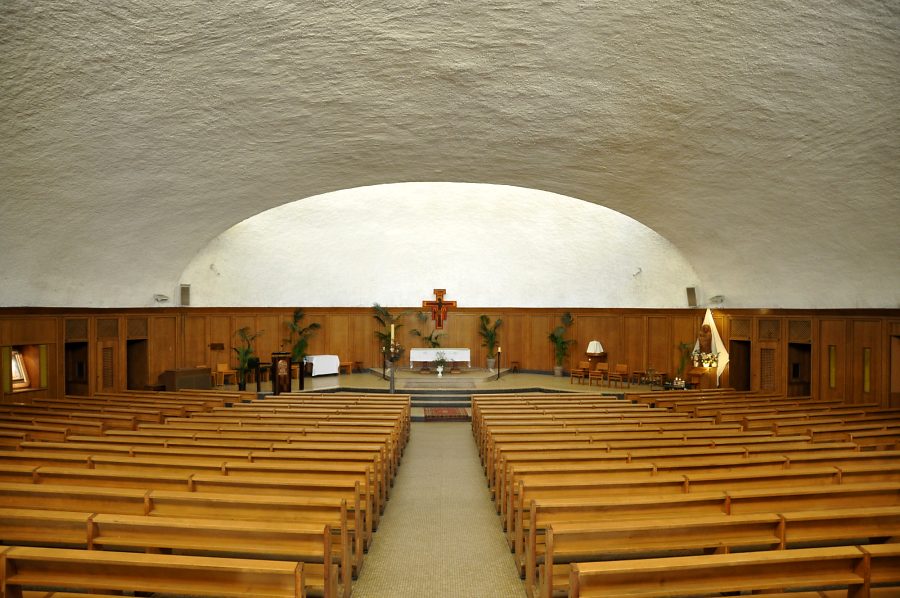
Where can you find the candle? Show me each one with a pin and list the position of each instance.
(392, 333)
(499, 349)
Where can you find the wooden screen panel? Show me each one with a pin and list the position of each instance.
(799, 331)
(769, 330)
(107, 328)
(136, 328)
(77, 329)
(740, 328)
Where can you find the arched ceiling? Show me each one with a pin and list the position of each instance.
(762, 139)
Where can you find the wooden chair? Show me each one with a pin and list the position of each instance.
(600, 371)
(223, 372)
(581, 372)
(620, 375)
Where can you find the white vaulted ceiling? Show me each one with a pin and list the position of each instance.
(761, 139)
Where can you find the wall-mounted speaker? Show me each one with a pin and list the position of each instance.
(185, 294)
(691, 296)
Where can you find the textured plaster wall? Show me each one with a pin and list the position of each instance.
(762, 139)
(393, 244)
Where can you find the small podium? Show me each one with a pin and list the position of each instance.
(281, 373)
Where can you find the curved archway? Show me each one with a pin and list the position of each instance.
(489, 245)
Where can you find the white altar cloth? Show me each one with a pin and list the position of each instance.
(324, 364)
(428, 354)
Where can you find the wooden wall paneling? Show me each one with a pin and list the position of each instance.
(337, 337)
(462, 332)
(219, 331)
(195, 344)
(515, 344)
(540, 351)
(365, 347)
(635, 342)
(274, 331)
(163, 343)
(893, 370)
(659, 346)
(684, 329)
(107, 366)
(238, 321)
(866, 334)
(32, 331)
(833, 332)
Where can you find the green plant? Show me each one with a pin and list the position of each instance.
(684, 352)
(433, 338)
(489, 335)
(245, 356)
(560, 343)
(302, 334)
(389, 323)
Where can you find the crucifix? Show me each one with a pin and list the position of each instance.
(439, 308)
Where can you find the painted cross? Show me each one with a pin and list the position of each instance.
(439, 308)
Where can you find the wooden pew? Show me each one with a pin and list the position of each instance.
(856, 568)
(616, 540)
(175, 574)
(309, 543)
(161, 503)
(751, 571)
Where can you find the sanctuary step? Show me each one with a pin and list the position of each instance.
(438, 398)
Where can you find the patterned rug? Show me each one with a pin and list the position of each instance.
(446, 414)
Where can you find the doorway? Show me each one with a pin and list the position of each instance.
(739, 364)
(799, 369)
(76, 369)
(137, 365)
(895, 372)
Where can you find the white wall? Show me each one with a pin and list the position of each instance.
(487, 245)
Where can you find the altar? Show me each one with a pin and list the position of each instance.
(429, 354)
(323, 365)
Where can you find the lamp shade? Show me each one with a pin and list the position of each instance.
(594, 348)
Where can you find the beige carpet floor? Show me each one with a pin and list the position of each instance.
(440, 536)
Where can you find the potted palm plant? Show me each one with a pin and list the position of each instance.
(245, 355)
(560, 343)
(302, 335)
(490, 337)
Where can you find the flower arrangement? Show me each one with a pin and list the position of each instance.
(440, 360)
(709, 360)
(392, 351)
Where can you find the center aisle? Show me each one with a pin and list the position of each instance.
(440, 535)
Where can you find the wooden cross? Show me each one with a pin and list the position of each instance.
(439, 308)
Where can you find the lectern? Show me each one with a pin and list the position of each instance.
(281, 373)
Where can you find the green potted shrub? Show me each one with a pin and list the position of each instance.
(560, 343)
(490, 337)
(245, 355)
